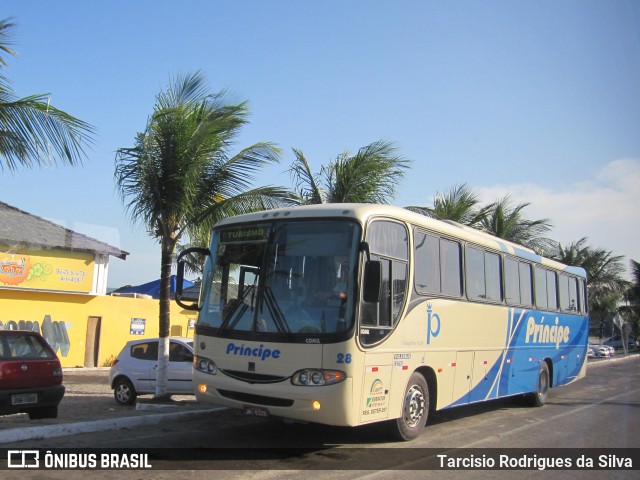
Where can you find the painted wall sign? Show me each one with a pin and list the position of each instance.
(57, 270)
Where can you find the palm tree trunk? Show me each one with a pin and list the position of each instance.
(168, 246)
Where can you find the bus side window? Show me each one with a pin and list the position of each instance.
(546, 289)
(541, 287)
(568, 287)
(451, 267)
(526, 284)
(512, 282)
(517, 280)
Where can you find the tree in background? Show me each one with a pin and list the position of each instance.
(459, 204)
(179, 178)
(631, 309)
(508, 222)
(499, 218)
(605, 277)
(32, 132)
(370, 176)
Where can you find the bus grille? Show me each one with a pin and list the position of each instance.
(253, 377)
(257, 399)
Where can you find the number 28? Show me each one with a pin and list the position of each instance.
(344, 358)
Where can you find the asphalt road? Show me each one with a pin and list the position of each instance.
(598, 412)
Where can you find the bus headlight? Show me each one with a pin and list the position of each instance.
(205, 365)
(310, 377)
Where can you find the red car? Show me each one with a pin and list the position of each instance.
(30, 375)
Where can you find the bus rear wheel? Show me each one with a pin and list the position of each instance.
(539, 397)
(415, 409)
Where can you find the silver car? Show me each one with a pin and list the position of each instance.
(134, 371)
(600, 350)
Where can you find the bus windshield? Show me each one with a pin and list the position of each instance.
(287, 278)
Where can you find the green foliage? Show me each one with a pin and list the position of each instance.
(459, 204)
(504, 220)
(179, 176)
(370, 176)
(33, 132)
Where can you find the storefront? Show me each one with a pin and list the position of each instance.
(54, 281)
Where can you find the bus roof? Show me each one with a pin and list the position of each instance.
(364, 211)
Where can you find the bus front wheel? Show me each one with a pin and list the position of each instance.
(415, 409)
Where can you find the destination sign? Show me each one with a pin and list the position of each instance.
(253, 233)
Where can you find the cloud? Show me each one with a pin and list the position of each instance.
(605, 209)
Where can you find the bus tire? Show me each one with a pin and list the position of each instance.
(415, 409)
(539, 397)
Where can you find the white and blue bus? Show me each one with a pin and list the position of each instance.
(349, 314)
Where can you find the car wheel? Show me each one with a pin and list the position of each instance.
(539, 397)
(43, 412)
(415, 409)
(123, 391)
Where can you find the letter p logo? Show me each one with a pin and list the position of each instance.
(433, 324)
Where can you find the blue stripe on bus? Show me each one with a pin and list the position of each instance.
(516, 369)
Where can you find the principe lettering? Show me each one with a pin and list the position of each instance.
(259, 352)
(539, 333)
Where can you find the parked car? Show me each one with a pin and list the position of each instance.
(600, 350)
(30, 375)
(612, 350)
(134, 371)
(616, 342)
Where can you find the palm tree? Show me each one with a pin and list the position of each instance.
(605, 280)
(179, 178)
(605, 272)
(507, 222)
(459, 204)
(32, 132)
(576, 253)
(369, 176)
(632, 297)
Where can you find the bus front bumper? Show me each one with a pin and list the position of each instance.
(328, 404)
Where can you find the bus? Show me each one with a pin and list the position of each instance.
(350, 314)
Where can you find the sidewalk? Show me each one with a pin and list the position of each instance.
(88, 406)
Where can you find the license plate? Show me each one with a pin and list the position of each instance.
(24, 399)
(256, 411)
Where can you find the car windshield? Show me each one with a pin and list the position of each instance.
(287, 278)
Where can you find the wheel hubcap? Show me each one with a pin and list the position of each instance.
(123, 393)
(414, 406)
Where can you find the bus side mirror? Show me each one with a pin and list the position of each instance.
(180, 276)
(372, 281)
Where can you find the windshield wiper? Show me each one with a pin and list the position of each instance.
(276, 313)
(237, 307)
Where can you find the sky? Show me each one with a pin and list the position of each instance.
(539, 100)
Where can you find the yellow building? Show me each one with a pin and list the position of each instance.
(54, 281)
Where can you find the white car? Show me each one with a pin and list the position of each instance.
(134, 371)
(612, 351)
(600, 350)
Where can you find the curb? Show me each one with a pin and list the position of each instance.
(51, 431)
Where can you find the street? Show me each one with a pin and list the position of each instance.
(598, 412)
